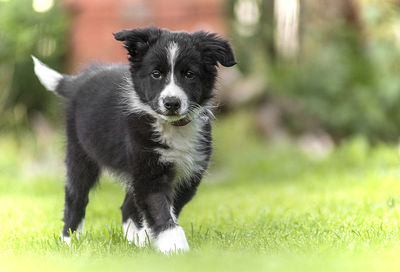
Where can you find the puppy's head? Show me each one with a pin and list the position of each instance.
(174, 72)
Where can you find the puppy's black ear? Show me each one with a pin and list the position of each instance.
(137, 41)
(214, 48)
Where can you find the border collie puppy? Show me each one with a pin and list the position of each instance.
(149, 122)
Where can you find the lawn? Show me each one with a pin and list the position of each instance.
(262, 206)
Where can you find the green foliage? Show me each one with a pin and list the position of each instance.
(262, 207)
(24, 32)
(345, 79)
(345, 88)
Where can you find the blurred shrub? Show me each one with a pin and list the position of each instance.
(346, 89)
(346, 76)
(24, 31)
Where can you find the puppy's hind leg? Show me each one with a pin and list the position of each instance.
(82, 174)
(134, 226)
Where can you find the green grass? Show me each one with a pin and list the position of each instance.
(262, 206)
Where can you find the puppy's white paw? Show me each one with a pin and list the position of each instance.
(172, 241)
(79, 230)
(66, 239)
(140, 237)
(130, 230)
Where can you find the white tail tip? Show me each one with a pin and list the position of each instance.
(47, 76)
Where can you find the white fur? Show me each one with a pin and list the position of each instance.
(143, 237)
(140, 236)
(47, 76)
(172, 212)
(173, 90)
(184, 147)
(131, 100)
(171, 241)
(66, 239)
(172, 53)
(130, 229)
(79, 230)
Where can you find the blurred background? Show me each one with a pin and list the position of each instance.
(312, 72)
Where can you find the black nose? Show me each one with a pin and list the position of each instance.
(172, 103)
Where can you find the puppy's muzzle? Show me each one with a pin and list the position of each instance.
(172, 105)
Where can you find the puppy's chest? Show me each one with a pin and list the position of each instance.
(186, 149)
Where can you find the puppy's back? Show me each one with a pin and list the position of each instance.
(97, 78)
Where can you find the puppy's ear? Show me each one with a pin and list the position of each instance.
(214, 48)
(137, 41)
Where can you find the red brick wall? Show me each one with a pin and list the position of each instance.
(94, 21)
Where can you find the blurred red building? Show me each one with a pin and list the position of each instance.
(94, 21)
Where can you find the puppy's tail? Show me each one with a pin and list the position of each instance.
(50, 78)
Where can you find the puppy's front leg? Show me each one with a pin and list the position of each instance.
(154, 198)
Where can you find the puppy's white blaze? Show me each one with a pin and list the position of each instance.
(138, 236)
(172, 89)
(172, 53)
(47, 76)
(171, 241)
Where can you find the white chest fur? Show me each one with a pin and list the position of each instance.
(185, 147)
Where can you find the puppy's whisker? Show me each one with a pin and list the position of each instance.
(198, 111)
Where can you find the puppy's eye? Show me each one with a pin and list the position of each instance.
(190, 75)
(156, 74)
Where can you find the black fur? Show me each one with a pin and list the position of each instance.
(103, 130)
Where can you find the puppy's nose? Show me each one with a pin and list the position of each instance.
(172, 103)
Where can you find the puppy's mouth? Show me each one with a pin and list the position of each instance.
(176, 120)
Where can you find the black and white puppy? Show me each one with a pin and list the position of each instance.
(149, 122)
